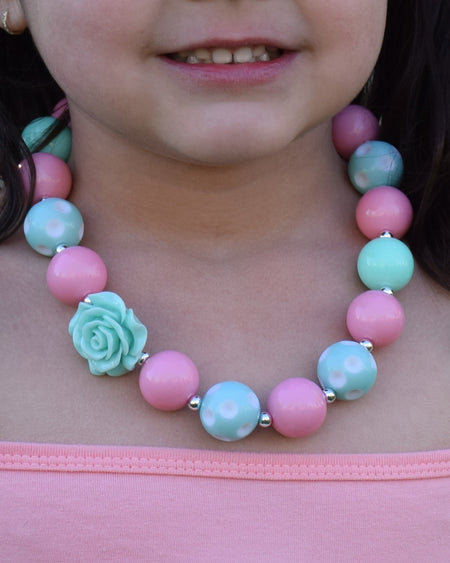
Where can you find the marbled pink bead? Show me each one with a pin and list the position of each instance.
(384, 209)
(53, 176)
(352, 127)
(74, 273)
(168, 380)
(298, 407)
(375, 316)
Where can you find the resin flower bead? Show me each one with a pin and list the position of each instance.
(107, 334)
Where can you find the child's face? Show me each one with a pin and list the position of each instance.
(109, 57)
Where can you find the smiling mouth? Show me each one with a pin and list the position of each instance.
(224, 56)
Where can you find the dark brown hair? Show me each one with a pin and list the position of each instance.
(409, 91)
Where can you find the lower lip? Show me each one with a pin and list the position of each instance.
(241, 74)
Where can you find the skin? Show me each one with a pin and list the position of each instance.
(226, 221)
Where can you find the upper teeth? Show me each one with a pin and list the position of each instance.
(221, 55)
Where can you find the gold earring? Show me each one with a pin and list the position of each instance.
(5, 24)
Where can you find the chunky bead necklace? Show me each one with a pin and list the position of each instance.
(111, 338)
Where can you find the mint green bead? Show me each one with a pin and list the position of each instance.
(385, 262)
(60, 146)
(51, 223)
(230, 411)
(375, 163)
(348, 369)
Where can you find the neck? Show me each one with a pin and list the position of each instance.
(207, 207)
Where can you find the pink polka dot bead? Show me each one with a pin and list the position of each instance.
(298, 407)
(53, 176)
(384, 209)
(168, 380)
(74, 273)
(375, 316)
(352, 127)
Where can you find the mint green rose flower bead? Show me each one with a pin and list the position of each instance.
(107, 334)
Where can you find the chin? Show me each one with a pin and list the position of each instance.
(239, 148)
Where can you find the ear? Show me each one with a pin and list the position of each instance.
(13, 19)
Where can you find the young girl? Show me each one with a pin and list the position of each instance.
(204, 168)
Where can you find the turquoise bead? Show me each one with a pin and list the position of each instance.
(53, 222)
(60, 146)
(348, 369)
(375, 163)
(385, 262)
(230, 411)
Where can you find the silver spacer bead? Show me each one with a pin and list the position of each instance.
(386, 234)
(87, 301)
(367, 345)
(60, 248)
(195, 403)
(387, 290)
(265, 420)
(330, 395)
(143, 359)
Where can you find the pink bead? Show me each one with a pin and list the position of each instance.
(60, 109)
(53, 177)
(298, 407)
(384, 209)
(168, 380)
(74, 273)
(375, 316)
(352, 127)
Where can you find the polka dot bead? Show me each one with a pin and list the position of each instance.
(60, 146)
(298, 407)
(74, 273)
(51, 223)
(168, 380)
(373, 164)
(230, 411)
(348, 369)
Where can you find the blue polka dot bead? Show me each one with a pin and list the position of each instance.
(51, 223)
(230, 411)
(373, 164)
(60, 146)
(348, 369)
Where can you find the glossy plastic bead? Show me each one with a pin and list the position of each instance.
(60, 146)
(74, 273)
(375, 316)
(53, 176)
(51, 223)
(384, 209)
(385, 262)
(348, 369)
(60, 108)
(352, 127)
(375, 163)
(298, 407)
(168, 380)
(230, 411)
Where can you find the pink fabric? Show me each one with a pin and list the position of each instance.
(87, 503)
